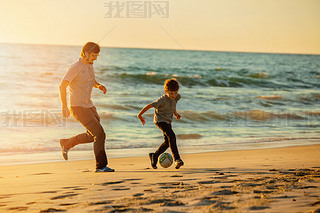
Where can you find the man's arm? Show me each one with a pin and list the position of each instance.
(100, 87)
(63, 98)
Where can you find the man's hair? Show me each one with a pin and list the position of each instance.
(171, 85)
(90, 47)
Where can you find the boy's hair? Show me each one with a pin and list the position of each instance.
(171, 85)
(90, 47)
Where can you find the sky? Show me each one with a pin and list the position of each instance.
(272, 26)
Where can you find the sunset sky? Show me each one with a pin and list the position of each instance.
(277, 26)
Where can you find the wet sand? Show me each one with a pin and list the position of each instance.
(265, 180)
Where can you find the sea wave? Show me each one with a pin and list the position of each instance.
(270, 97)
(260, 115)
(261, 80)
(202, 116)
(254, 115)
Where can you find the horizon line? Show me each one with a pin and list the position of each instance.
(154, 48)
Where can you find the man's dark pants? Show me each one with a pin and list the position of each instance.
(90, 119)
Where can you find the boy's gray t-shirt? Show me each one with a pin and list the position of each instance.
(164, 108)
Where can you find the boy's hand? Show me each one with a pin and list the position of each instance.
(143, 121)
(102, 88)
(177, 115)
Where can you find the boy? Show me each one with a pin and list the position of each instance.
(165, 108)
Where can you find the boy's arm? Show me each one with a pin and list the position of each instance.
(177, 115)
(146, 108)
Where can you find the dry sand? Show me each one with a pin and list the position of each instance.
(265, 180)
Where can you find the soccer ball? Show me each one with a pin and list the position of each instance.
(165, 160)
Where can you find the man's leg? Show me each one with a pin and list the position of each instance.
(78, 139)
(89, 118)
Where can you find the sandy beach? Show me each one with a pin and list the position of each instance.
(265, 180)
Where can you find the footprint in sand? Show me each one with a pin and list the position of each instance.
(262, 192)
(121, 189)
(170, 185)
(20, 208)
(284, 197)
(157, 201)
(42, 173)
(132, 179)
(189, 179)
(250, 184)
(112, 183)
(49, 192)
(5, 196)
(225, 192)
(205, 201)
(308, 187)
(142, 209)
(72, 187)
(30, 203)
(208, 182)
(176, 176)
(135, 183)
(52, 210)
(173, 203)
(67, 204)
(258, 207)
(223, 205)
(80, 188)
(226, 187)
(118, 208)
(103, 202)
(138, 194)
(63, 196)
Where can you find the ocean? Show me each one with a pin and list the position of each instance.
(230, 101)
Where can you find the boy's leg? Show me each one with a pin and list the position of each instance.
(170, 140)
(89, 118)
(165, 145)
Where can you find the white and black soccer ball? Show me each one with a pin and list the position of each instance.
(165, 160)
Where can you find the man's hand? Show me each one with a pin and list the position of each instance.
(102, 88)
(65, 112)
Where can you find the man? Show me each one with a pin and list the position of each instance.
(80, 78)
